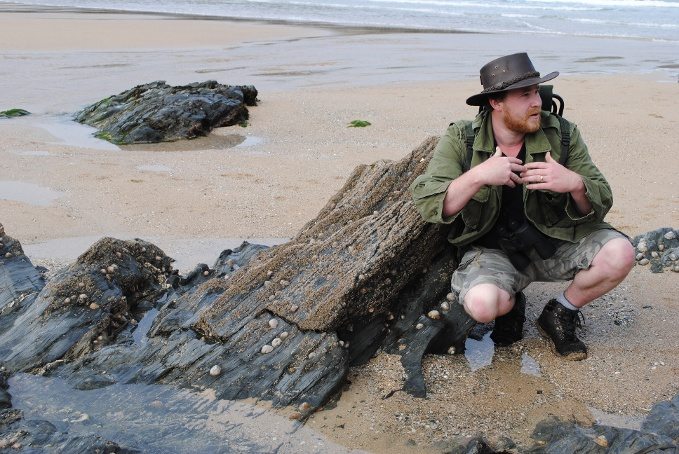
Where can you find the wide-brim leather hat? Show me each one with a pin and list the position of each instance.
(507, 73)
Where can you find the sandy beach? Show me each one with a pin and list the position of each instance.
(61, 189)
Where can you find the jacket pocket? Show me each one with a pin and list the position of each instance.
(553, 207)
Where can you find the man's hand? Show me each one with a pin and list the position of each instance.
(499, 170)
(552, 176)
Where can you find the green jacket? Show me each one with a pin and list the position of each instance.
(552, 213)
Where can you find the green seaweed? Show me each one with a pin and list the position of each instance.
(243, 124)
(358, 124)
(105, 135)
(11, 113)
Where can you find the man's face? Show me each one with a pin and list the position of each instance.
(521, 109)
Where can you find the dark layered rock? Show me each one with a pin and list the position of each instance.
(285, 325)
(659, 433)
(158, 112)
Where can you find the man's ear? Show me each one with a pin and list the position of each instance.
(494, 103)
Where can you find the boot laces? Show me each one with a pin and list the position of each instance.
(572, 322)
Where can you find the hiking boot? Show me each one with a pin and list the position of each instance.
(509, 327)
(453, 336)
(558, 324)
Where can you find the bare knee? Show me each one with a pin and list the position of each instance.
(482, 302)
(616, 258)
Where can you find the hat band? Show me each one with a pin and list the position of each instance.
(503, 85)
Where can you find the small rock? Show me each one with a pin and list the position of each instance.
(266, 349)
(81, 284)
(295, 415)
(654, 254)
(284, 283)
(94, 306)
(445, 306)
(641, 247)
(670, 235)
(601, 441)
(643, 262)
(276, 342)
(67, 301)
(283, 335)
(273, 323)
(269, 273)
(102, 271)
(8, 255)
(82, 297)
(294, 308)
(451, 351)
(661, 247)
(111, 269)
(419, 326)
(450, 297)
(119, 254)
(640, 256)
(673, 256)
(206, 273)
(304, 406)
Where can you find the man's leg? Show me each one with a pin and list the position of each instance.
(596, 264)
(485, 302)
(609, 267)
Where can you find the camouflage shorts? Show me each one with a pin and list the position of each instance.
(481, 265)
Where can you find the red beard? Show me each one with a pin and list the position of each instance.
(525, 125)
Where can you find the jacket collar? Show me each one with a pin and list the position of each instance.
(535, 142)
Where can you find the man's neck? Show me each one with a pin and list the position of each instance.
(510, 142)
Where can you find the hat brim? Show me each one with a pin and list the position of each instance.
(480, 99)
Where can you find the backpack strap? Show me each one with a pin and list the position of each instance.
(565, 140)
(469, 140)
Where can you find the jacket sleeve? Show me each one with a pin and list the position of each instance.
(597, 189)
(429, 189)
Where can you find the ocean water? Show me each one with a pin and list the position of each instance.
(632, 19)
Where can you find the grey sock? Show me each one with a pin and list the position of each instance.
(561, 298)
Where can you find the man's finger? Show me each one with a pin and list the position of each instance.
(498, 152)
(537, 165)
(548, 157)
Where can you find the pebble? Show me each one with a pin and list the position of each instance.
(311, 355)
(304, 406)
(601, 441)
(419, 326)
(451, 351)
(206, 273)
(8, 255)
(361, 277)
(269, 273)
(673, 256)
(273, 323)
(215, 370)
(81, 284)
(102, 271)
(654, 254)
(119, 254)
(450, 297)
(641, 247)
(94, 306)
(640, 256)
(295, 415)
(82, 297)
(266, 349)
(435, 315)
(294, 308)
(661, 247)
(276, 342)
(67, 300)
(670, 235)
(390, 317)
(445, 306)
(643, 262)
(283, 335)
(284, 283)
(676, 268)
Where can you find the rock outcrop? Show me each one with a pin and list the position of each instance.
(158, 112)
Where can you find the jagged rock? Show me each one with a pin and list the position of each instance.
(157, 112)
(658, 248)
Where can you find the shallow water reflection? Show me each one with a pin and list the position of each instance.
(161, 419)
(479, 353)
(29, 193)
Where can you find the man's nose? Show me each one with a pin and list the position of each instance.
(536, 100)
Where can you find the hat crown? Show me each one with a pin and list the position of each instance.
(505, 71)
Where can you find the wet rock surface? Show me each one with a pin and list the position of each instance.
(283, 324)
(158, 112)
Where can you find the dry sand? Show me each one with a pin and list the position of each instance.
(195, 198)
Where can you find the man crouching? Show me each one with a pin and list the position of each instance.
(520, 212)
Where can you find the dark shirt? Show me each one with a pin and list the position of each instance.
(511, 211)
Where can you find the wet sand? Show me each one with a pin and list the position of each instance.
(265, 181)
